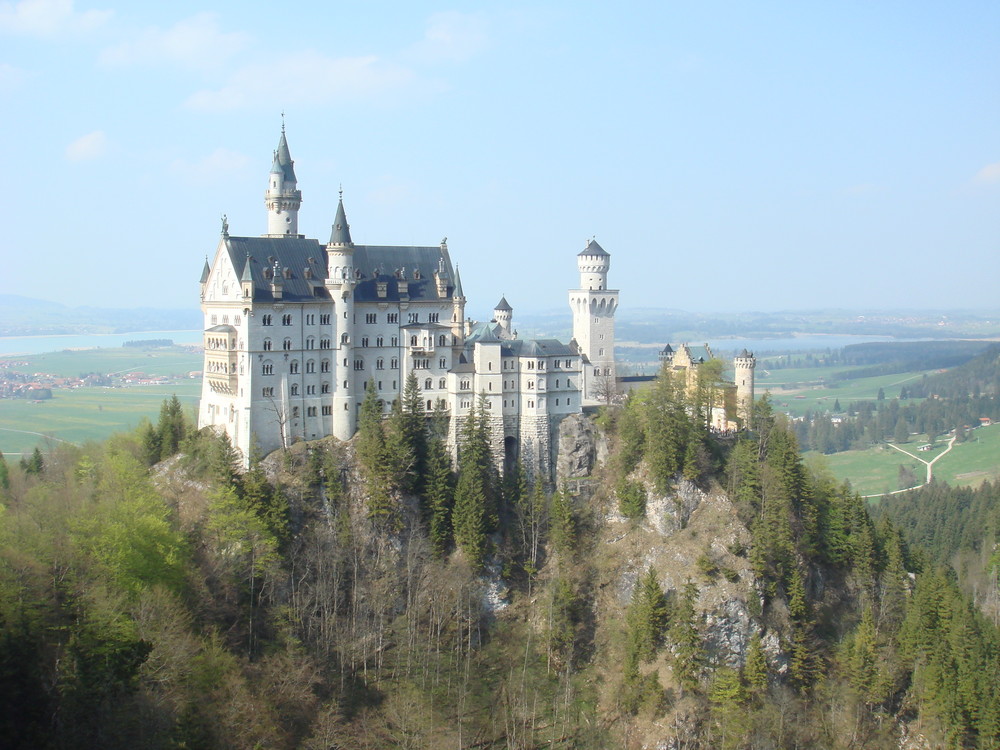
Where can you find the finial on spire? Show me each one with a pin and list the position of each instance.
(282, 121)
(341, 191)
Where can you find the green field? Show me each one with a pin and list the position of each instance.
(800, 390)
(77, 415)
(877, 469)
(176, 361)
(81, 414)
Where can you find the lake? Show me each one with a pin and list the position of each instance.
(13, 345)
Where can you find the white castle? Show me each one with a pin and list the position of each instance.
(296, 330)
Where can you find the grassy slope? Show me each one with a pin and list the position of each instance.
(877, 469)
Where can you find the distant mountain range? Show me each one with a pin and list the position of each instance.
(27, 316)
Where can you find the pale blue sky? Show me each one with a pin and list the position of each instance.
(729, 155)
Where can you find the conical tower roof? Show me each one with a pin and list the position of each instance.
(593, 248)
(458, 284)
(341, 231)
(283, 163)
(503, 305)
(247, 271)
(205, 271)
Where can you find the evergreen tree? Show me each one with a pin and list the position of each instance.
(685, 640)
(439, 496)
(374, 464)
(755, 668)
(34, 465)
(647, 617)
(471, 515)
(4, 473)
(562, 523)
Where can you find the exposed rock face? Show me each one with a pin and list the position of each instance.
(581, 446)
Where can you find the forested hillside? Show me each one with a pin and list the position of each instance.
(931, 406)
(690, 592)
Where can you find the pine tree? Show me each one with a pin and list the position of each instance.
(4, 473)
(439, 496)
(684, 637)
(469, 517)
(562, 523)
(755, 668)
(374, 464)
(647, 617)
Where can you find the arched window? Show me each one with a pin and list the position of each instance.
(294, 389)
(428, 384)
(267, 345)
(442, 383)
(293, 367)
(441, 340)
(286, 344)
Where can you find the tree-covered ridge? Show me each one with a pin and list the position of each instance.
(371, 594)
(934, 405)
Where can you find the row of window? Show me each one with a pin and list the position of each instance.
(286, 345)
(225, 320)
(267, 367)
(286, 319)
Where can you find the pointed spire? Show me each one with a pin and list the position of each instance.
(503, 305)
(247, 271)
(341, 231)
(458, 284)
(206, 271)
(283, 163)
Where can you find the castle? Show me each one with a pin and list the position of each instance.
(297, 330)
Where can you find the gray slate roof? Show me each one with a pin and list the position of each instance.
(297, 254)
(593, 249)
(503, 305)
(283, 163)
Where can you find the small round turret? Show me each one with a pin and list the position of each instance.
(593, 263)
(502, 313)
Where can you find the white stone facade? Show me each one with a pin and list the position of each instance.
(295, 331)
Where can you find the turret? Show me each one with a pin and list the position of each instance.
(502, 314)
(743, 374)
(282, 198)
(593, 263)
(594, 306)
(340, 250)
(340, 282)
(246, 280)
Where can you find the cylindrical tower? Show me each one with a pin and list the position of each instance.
(502, 314)
(340, 283)
(743, 367)
(593, 263)
(282, 198)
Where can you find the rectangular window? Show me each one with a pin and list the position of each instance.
(310, 320)
(359, 364)
(310, 411)
(394, 363)
(371, 318)
(310, 390)
(324, 366)
(286, 320)
(394, 341)
(265, 320)
(392, 318)
(433, 317)
(327, 411)
(267, 391)
(414, 317)
(324, 319)
(268, 368)
(364, 341)
(379, 341)
(326, 387)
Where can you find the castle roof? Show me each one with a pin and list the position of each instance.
(340, 233)
(381, 262)
(593, 248)
(536, 348)
(745, 354)
(205, 272)
(303, 262)
(283, 163)
(503, 305)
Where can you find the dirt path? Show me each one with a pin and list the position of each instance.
(928, 464)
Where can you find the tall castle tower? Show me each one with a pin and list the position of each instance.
(594, 306)
(282, 198)
(743, 367)
(340, 282)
